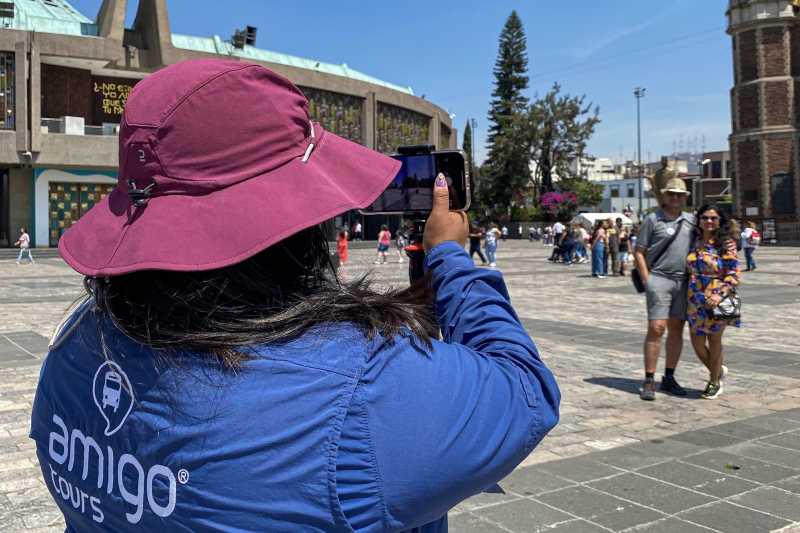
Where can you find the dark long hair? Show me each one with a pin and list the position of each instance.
(272, 297)
(723, 232)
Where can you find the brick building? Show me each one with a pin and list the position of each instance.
(765, 107)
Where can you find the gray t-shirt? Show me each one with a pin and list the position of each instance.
(654, 233)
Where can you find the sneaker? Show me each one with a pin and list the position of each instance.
(648, 390)
(602, 276)
(668, 384)
(492, 264)
(376, 263)
(399, 260)
(723, 373)
(712, 391)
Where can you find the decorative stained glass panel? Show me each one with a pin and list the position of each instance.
(7, 90)
(337, 113)
(400, 127)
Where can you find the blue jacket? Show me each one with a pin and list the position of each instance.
(328, 433)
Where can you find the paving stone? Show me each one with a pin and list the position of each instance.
(771, 500)
(667, 448)
(743, 431)
(791, 484)
(485, 499)
(772, 421)
(579, 469)
(787, 440)
(664, 497)
(706, 439)
(625, 457)
(525, 516)
(471, 523)
(672, 525)
(750, 469)
(764, 452)
(575, 526)
(600, 508)
(717, 484)
(729, 518)
(526, 482)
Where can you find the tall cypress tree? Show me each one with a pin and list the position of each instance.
(507, 160)
(466, 145)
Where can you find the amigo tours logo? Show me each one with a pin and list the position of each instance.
(116, 471)
(112, 395)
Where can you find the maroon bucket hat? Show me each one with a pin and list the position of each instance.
(218, 160)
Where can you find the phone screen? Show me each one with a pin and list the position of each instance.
(412, 187)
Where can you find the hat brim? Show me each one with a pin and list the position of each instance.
(218, 229)
(687, 193)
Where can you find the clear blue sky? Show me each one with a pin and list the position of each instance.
(677, 49)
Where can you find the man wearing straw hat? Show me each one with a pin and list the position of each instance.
(660, 256)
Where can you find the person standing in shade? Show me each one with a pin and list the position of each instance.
(357, 231)
(24, 244)
(713, 276)
(505, 232)
(384, 237)
(491, 243)
(341, 244)
(475, 237)
(598, 248)
(567, 243)
(750, 241)
(548, 235)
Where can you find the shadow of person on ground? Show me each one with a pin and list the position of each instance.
(633, 386)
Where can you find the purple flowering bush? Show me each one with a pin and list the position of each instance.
(560, 206)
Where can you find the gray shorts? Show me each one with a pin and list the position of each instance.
(666, 298)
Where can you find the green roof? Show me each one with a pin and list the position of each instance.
(215, 45)
(49, 16)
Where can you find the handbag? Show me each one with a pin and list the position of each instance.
(730, 308)
(636, 278)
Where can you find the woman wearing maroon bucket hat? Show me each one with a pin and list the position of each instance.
(219, 380)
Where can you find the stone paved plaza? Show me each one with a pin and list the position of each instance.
(614, 463)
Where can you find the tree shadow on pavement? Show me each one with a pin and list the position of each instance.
(633, 386)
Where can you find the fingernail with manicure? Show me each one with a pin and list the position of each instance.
(440, 181)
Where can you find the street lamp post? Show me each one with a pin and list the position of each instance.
(639, 94)
(472, 163)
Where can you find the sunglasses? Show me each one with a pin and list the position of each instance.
(709, 219)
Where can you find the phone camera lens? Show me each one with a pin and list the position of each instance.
(446, 160)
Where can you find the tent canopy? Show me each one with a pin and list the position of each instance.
(589, 219)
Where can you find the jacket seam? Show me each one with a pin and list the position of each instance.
(334, 439)
(374, 461)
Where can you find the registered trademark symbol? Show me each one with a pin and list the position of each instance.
(183, 476)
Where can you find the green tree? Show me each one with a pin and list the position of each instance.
(506, 164)
(559, 126)
(588, 193)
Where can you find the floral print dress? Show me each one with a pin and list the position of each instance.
(710, 269)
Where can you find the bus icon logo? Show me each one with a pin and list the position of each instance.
(112, 394)
(111, 388)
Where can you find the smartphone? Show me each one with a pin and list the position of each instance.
(411, 190)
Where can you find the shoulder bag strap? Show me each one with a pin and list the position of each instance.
(669, 243)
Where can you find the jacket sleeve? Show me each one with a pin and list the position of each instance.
(447, 424)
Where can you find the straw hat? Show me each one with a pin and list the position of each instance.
(675, 185)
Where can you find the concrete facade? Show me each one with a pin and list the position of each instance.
(765, 105)
(83, 63)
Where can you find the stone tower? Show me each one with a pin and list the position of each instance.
(765, 108)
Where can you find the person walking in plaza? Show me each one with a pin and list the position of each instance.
(357, 231)
(226, 380)
(504, 232)
(624, 250)
(539, 233)
(548, 236)
(598, 248)
(750, 241)
(567, 243)
(24, 244)
(713, 276)
(475, 236)
(384, 237)
(558, 230)
(490, 239)
(400, 242)
(341, 244)
(612, 246)
(583, 242)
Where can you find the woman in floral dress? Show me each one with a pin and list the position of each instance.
(713, 273)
